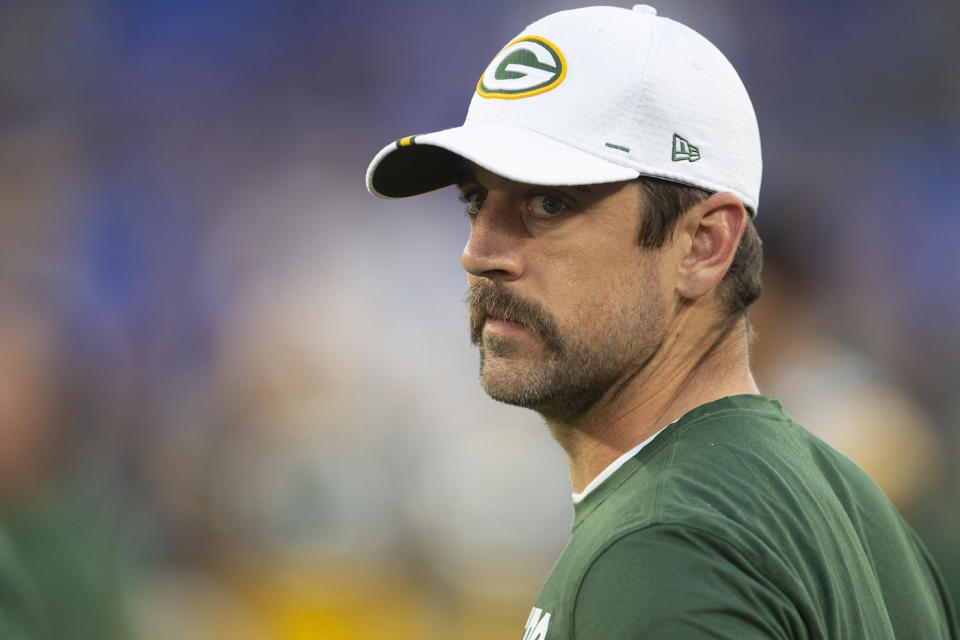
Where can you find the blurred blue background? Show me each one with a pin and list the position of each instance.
(237, 395)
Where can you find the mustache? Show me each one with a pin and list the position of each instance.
(486, 298)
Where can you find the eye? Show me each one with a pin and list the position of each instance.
(546, 205)
(473, 201)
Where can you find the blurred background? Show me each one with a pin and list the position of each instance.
(237, 395)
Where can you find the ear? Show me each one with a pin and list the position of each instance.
(709, 235)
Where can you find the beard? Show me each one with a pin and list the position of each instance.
(572, 372)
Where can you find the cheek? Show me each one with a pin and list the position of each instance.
(585, 287)
(583, 301)
(615, 297)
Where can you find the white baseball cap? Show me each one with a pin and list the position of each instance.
(594, 95)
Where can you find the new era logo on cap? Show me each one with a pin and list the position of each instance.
(683, 150)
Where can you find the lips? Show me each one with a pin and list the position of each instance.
(503, 328)
(503, 318)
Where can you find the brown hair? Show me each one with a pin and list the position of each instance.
(665, 203)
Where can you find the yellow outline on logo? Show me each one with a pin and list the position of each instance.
(525, 94)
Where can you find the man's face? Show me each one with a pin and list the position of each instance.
(564, 303)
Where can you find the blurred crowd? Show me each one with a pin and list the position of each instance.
(237, 395)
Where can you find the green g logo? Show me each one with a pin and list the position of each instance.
(526, 67)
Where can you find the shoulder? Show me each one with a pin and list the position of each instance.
(744, 458)
(719, 460)
(733, 468)
(739, 520)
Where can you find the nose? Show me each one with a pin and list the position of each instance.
(492, 251)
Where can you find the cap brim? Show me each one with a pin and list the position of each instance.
(431, 161)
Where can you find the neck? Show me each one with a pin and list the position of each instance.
(682, 375)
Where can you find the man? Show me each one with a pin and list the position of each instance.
(610, 166)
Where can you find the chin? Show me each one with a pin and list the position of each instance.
(527, 385)
(507, 379)
(557, 388)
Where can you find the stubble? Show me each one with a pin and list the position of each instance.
(574, 369)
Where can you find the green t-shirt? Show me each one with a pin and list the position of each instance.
(736, 523)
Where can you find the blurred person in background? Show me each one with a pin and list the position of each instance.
(699, 505)
(833, 389)
(844, 395)
(60, 569)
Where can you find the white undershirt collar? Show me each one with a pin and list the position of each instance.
(613, 466)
